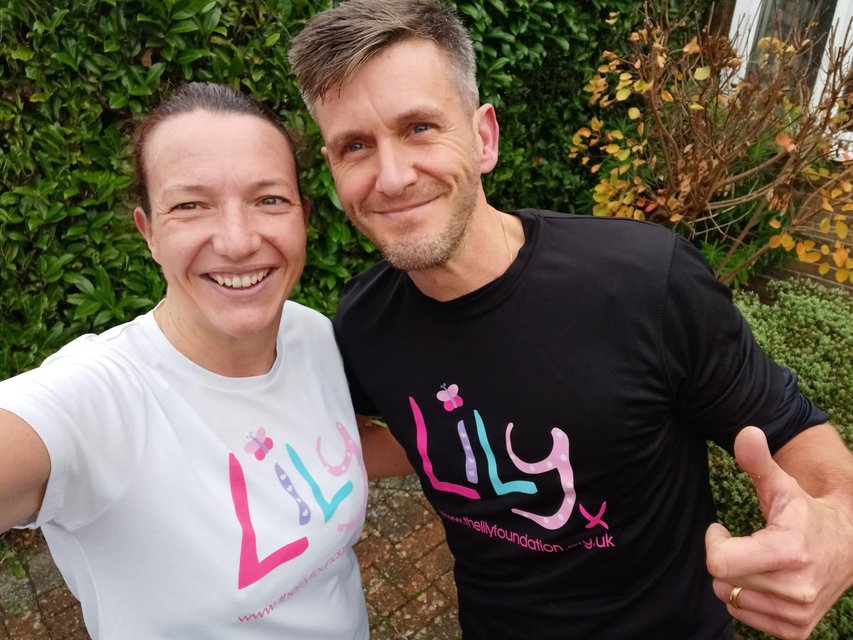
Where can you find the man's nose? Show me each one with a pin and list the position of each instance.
(395, 169)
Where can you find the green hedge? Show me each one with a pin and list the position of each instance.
(72, 79)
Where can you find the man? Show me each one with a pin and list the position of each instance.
(553, 379)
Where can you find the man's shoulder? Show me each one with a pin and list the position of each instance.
(598, 226)
(379, 279)
(597, 240)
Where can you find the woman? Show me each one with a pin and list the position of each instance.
(196, 471)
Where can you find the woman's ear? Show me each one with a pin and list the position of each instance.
(143, 223)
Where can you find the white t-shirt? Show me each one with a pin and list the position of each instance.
(184, 504)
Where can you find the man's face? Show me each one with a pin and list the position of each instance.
(406, 154)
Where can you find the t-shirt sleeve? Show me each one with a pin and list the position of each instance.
(721, 379)
(77, 412)
(361, 402)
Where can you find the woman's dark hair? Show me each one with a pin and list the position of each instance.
(190, 97)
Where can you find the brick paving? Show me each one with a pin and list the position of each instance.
(406, 571)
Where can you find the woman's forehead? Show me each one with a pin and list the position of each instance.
(205, 127)
(212, 145)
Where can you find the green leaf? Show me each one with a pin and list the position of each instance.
(191, 55)
(22, 53)
(184, 26)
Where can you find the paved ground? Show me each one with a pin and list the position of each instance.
(406, 570)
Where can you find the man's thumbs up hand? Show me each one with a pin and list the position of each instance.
(788, 573)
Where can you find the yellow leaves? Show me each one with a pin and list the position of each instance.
(614, 17)
(805, 252)
(804, 246)
(634, 113)
(623, 94)
(692, 47)
(784, 240)
(665, 95)
(842, 274)
(824, 225)
(775, 223)
(839, 256)
(596, 124)
(695, 106)
(841, 230)
(702, 73)
(577, 138)
(641, 86)
(612, 148)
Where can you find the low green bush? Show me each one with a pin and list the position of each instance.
(808, 328)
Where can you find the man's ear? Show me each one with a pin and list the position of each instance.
(143, 223)
(326, 156)
(488, 132)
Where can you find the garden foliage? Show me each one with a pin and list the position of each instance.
(74, 75)
(740, 157)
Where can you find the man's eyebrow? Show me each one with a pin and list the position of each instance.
(338, 140)
(416, 114)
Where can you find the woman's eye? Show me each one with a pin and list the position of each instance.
(272, 200)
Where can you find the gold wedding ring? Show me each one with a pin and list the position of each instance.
(733, 597)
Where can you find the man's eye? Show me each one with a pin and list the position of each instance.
(352, 147)
(272, 200)
(187, 206)
(420, 127)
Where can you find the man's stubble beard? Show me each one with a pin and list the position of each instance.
(411, 252)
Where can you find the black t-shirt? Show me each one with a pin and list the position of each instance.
(558, 417)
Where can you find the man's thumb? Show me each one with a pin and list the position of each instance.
(753, 456)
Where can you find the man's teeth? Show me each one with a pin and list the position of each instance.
(240, 282)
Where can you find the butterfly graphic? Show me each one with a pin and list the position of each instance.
(259, 444)
(449, 395)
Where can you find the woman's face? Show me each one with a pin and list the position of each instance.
(226, 226)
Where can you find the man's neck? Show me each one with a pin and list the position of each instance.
(489, 247)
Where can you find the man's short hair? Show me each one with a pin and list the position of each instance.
(335, 44)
